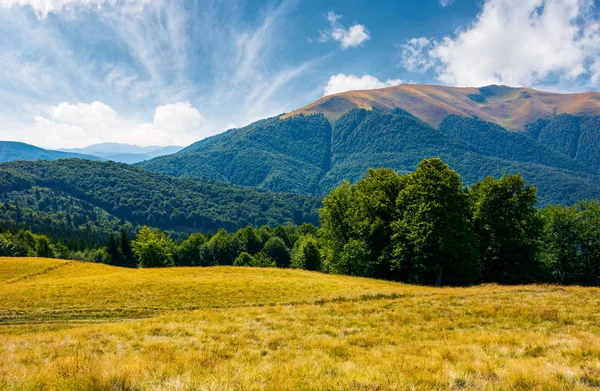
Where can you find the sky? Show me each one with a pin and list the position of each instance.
(171, 72)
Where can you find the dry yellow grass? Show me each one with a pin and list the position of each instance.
(334, 333)
(511, 108)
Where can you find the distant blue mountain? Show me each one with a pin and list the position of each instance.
(125, 153)
(11, 150)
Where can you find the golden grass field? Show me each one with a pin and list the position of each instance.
(79, 326)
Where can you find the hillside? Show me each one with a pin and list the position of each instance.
(125, 153)
(308, 154)
(511, 108)
(10, 151)
(576, 137)
(72, 325)
(72, 194)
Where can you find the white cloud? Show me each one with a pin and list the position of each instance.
(83, 113)
(515, 42)
(44, 7)
(77, 125)
(348, 38)
(204, 52)
(179, 116)
(415, 56)
(342, 83)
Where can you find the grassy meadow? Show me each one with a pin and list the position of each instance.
(79, 326)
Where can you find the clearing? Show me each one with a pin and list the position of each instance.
(78, 326)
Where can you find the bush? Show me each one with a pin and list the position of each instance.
(244, 259)
(262, 260)
(306, 254)
(153, 248)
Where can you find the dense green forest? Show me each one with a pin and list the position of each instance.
(71, 198)
(422, 227)
(307, 154)
(291, 155)
(575, 137)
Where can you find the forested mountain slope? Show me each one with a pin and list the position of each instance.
(307, 154)
(75, 194)
(11, 150)
(576, 137)
(291, 155)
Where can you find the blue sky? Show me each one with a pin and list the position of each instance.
(160, 72)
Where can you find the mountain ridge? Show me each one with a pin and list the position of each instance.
(14, 150)
(125, 153)
(509, 107)
(309, 154)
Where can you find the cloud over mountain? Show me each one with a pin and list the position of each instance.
(342, 83)
(515, 42)
(71, 125)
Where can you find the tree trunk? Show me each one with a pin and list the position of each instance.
(438, 281)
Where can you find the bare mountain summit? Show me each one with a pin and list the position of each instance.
(511, 108)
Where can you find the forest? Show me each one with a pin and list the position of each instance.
(307, 154)
(424, 227)
(80, 202)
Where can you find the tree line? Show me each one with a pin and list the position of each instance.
(423, 227)
(426, 227)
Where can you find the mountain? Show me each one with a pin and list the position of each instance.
(125, 153)
(74, 195)
(309, 154)
(511, 108)
(576, 137)
(11, 150)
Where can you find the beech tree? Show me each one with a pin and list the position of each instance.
(508, 227)
(433, 234)
(153, 248)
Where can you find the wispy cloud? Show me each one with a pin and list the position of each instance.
(44, 7)
(142, 54)
(446, 3)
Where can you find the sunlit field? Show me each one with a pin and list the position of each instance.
(79, 326)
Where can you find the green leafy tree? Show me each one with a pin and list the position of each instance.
(590, 242)
(12, 246)
(287, 233)
(224, 248)
(98, 256)
(250, 240)
(262, 260)
(561, 248)
(434, 237)
(508, 227)
(276, 249)
(114, 252)
(153, 248)
(126, 249)
(244, 259)
(306, 253)
(307, 229)
(188, 253)
(43, 249)
(336, 227)
(375, 210)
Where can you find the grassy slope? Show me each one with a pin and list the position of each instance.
(511, 108)
(381, 336)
